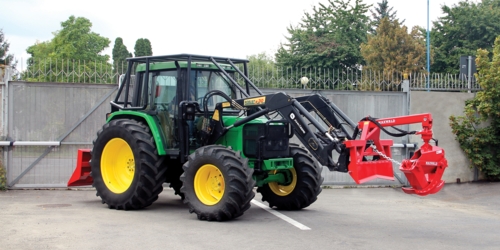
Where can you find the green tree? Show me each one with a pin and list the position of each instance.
(5, 57)
(329, 37)
(383, 10)
(394, 50)
(262, 70)
(120, 54)
(463, 30)
(261, 61)
(72, 55)
(143, 47)
(478, 130)
(76, 41)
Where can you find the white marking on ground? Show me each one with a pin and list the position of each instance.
(281, 216)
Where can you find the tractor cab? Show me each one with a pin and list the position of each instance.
(162, 87)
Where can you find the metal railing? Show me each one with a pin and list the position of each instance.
(264, 77)
(69, 71)
(364, 80)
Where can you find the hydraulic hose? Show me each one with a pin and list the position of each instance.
(374, 120)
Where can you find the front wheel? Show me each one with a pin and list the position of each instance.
(217, 183)
(303, 187)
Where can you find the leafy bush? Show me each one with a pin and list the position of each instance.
(3, 177)
(478, 131)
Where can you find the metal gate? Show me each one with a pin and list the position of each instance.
(48, 122)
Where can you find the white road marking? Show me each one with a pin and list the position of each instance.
(281, 216)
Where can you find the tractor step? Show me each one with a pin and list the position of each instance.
(81, 176)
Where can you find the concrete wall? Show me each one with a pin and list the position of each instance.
(442, 105)
(32, 119)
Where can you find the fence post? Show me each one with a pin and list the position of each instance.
(406, 83)
(469, 74)
(5, 77)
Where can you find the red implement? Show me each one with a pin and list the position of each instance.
(362, 170)
(424, 171)
(370, 157)
(81, 175)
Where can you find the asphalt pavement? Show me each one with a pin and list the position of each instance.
(461, 216)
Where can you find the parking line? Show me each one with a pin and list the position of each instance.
(281, 216)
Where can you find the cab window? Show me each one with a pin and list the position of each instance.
(205, 81)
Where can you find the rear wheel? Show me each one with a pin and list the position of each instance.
(174, 172)
(126, 168)
(217, 183)
(303, 185)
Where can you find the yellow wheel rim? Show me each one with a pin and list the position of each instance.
(117, 165)
(283, 190)
(209, 184)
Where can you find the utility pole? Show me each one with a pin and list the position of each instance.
(428, 49)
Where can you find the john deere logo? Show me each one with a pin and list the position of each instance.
(255, 101)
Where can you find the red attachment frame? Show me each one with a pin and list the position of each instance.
(81, 175)
(423, 171)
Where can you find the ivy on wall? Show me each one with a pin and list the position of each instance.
(478, 130)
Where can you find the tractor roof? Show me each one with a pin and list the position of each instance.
(197, 62)
(171, 65)
(185, 57)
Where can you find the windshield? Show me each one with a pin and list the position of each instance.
(205, 81)
(164, 85)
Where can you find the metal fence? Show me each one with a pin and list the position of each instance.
(69, 71)
(264, 77)
(360, 80)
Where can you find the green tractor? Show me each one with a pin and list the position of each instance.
(199, 124)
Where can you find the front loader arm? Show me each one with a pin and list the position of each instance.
(365, 158)
(329, 113)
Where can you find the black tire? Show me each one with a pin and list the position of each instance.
(144, 183)
(173, 174)
(307, 187)
(229, 193)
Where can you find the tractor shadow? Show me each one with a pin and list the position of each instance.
(168, 200)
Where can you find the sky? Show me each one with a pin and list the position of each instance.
(226, 28)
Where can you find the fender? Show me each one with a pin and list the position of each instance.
(152, 122)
